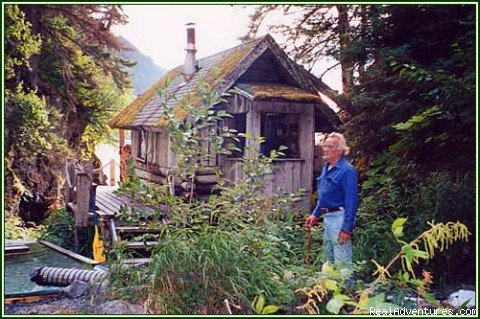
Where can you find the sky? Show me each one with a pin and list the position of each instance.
(159, 32)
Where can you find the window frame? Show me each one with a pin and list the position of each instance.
(288, 135)
(141, 138)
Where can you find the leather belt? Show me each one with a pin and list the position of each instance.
(325, 210)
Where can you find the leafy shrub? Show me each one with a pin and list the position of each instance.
(191, 272)
(438, 197)
(59, 229)
(15, 228)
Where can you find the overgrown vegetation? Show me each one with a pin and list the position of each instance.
(59, 229)
(408, 101)
(64, 79)
(243, 252)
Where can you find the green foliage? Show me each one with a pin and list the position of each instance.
(30, 128)
(208, 247)
(64, 81)
(58, 229)
(259, 307)
(196, 271)
(329, 283)
(192, 128)
(441, 197)
(15, 229)
(20, 43)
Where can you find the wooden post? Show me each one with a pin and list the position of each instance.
(83, 199)
(84, 183)
(121, 138)
(112, 172)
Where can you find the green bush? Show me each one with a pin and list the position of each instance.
(191, 272)
(15, 229)
(59, 229)
(438, 197)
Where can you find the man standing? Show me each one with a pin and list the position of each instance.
(337, 188)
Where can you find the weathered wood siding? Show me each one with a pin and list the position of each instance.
(289, 174)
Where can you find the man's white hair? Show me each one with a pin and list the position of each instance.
(342, 144)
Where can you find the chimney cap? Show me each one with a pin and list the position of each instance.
(188, 24)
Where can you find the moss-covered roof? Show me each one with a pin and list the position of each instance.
(146, 109)
(266, 91)
(220, 71)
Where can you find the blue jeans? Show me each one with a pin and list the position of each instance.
(339, 255)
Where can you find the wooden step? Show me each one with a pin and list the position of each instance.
(137, 230)
(135, 245)
(137, 261)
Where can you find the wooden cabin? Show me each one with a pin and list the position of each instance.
(272, 97)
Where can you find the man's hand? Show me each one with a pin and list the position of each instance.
(343, 237)
(311, 221)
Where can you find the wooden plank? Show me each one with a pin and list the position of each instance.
(136, 229)
(29, 299)
(69, 253)
(110, 203)
(17, 242)
(141, 245)
(83, 199)
(136, 261)
(113, 230)
(16, 249)
(105, 203)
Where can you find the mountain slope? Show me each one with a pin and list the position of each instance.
(146, 72)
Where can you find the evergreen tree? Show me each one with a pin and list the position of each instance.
(64, 79)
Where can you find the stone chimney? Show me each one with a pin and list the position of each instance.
(190, 65)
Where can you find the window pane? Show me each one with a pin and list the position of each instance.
(142, 145)
(280, 129)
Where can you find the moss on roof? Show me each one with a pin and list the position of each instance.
(126, 117)
(214, 76)
(265, 91)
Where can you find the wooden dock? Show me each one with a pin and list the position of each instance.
(110, 204)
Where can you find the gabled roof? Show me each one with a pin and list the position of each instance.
(220, 71)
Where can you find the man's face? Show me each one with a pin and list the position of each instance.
(331, 151)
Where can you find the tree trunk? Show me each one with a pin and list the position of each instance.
(363, 34)
(33, 14)
(344, 40)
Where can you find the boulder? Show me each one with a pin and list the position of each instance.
(76, 289)
(117, 307)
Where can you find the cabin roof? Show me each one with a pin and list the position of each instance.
(220, 71)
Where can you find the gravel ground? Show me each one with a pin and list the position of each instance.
(58, 306)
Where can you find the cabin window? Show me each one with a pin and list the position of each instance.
(142, 146)
(209, 146)
(280, 129)
(238, 123)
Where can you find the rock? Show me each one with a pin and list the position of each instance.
(458, 298)
(119, 307)
(49, 307)
(76, 289)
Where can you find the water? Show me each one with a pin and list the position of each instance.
(19, 266)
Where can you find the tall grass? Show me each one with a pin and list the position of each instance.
(195, 273)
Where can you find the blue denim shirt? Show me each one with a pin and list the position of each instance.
(338, 187)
